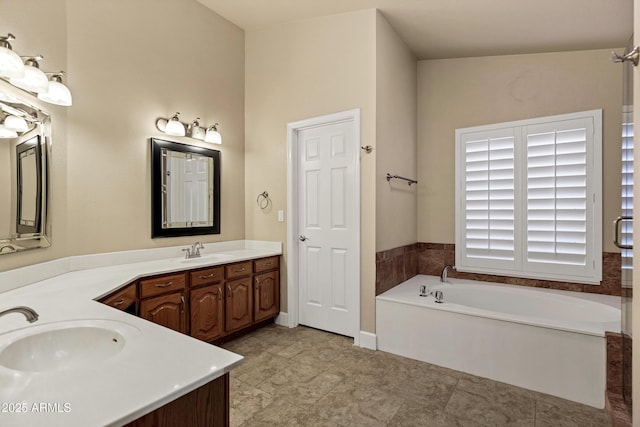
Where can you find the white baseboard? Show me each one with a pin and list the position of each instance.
(368, 340)
(283, 319)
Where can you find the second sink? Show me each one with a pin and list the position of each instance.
(63, 345)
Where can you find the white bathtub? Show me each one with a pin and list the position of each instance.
(543, 340)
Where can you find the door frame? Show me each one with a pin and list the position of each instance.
(293, 128)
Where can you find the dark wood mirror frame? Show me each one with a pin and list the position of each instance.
(157, 199)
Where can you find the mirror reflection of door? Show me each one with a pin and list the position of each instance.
(188, 181)
(29, 186)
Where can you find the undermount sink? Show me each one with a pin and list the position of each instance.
(64, 345)
(207, 258)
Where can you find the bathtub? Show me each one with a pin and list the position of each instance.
(543, 340)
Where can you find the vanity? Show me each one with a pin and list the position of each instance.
(153, 303)
(208, 303)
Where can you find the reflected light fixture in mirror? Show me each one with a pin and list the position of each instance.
(57, 93)
(34, 80)
(16, 123)
(11, 64)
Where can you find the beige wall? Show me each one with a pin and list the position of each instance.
(458, 93)
(396, 114)
(128, 64)
(301, 70)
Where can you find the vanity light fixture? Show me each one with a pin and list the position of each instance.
(174, 126)
(195, 131)
(34, 80)
(5, 132)
(11, 64)
(15, 123)
(58, 93)
(212, 135)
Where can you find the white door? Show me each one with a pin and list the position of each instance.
(328, 226)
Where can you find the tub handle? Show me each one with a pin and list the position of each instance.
(438, 296)
(616, 231)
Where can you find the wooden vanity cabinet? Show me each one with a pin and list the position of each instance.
(207, 303)
(125, 299)
(163, 301)
(238, 295)
(266, 285)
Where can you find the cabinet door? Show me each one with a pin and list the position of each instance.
(167, 310)
(207, 312)
(239, 304)
(267, 295)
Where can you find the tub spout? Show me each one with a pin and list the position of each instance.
(443, 275)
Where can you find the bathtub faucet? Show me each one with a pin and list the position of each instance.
(443, 275)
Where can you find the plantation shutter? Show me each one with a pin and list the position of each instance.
(626, 227)
(557, 212)
(528, 198)
(489, 181)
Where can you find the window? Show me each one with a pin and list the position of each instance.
(528, 200)
(626, 227)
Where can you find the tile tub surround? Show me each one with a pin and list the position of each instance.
(394, 266)
(66, 291)
(306, 377)
(618, 409)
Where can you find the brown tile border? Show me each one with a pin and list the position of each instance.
(396, 265)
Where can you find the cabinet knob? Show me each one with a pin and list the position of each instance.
(119, 302)
(208, 276)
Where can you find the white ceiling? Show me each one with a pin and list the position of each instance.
(436, 29)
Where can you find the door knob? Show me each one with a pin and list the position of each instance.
(302, 237)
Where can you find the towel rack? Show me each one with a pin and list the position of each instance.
(409, 181)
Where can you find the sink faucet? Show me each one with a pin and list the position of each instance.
(29, 313)
(193, 251)
(443, 275)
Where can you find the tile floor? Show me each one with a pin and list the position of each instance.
(306, 377)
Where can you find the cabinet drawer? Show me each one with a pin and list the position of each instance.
(265, 264)
(162, 285)
(122, 298)
(209, 275)
(240, 269)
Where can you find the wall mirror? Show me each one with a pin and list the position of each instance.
(25, 141)
(185, 189)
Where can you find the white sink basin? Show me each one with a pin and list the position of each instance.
(208, 258)
(64, 345)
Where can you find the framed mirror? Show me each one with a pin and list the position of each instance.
(24, 172)
(185, 190)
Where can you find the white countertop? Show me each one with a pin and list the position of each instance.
(156, 365)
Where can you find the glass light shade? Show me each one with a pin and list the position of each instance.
(11, 65)
(57, 94)
(33, 80)
(5, 132)
(174, 127)
(213, 136)
(16, 123)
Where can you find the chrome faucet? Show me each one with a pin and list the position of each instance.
(29, 313)
(443, 275)
(193, 251)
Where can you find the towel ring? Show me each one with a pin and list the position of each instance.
(263, 200)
